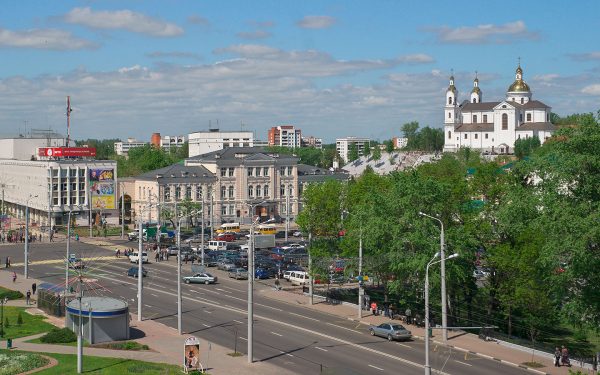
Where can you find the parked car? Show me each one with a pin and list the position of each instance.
(238, 274)
(262, 273)
(297, 234)
(133, 272)
(201, 278)
(227, 237)
(292, 246)
(132, 235)
(226, 265)
(391, 331)
(173, 250)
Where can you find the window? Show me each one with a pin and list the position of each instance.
(522, 100)
(486, 135)
(223, 210)
(449, 134)
(282, 171)
(250, 191)
(465, 135)
(266, 190)
(188, 192)
(449, 114)
(474, 100)
(547, 117)
(223, 192)
(257, 171)
(250, 171)
(282, 190)
(504, 121)
(231, 192)
(291, 190)
(519, 136)
(177, 192)
(520, 118)
(198, 192)
(231, 172)
(449, 100)
(485, 118)
(476, 135)
(258, 191)
(223, 172)
(265, 171)
(474, 119)
(529, 117)
(289, 171)
(167, 194)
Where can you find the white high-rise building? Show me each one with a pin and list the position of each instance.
(343, 145)
(495, 126)
(203, 142)
(122, 148)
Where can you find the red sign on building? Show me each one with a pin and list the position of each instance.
(58, 152)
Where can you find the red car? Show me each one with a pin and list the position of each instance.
(227, 237)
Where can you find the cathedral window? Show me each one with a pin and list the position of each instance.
(465, 135)
(504, 121)
(474, 100)
(520, 117)
(528, 117)
(449, 100)
(486, 135)
(449, 134)
(485, 118)
(522, 100)
(476, 135)
(449, 114)
(474, 119)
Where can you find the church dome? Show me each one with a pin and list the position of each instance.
(519, 85)
(451, 87)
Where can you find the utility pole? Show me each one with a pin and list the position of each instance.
(310, 278)
(140, 273)
(122, 213)
(179, 300)
(361, 291)
(251, 273)
(287, 213)
(80, 332)
(202, 232)
(27, 236)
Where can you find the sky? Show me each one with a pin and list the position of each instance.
(331, 68)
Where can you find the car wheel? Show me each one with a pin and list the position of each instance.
(187, 281)
(372, 332)
(389, 337)
(207, 282)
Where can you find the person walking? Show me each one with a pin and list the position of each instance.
(277, 286)
(557, 355)
(156, 257)
(28, 297)
(374, 307)
(408, 314)
(367, 301)
(14, 277)
(565, 356)
(33, 288)
(6, 262)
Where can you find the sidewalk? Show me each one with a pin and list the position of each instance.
(461, 341)
(165, 344)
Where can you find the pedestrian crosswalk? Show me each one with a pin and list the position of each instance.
(59, 261)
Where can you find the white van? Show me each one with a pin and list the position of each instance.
(299, 278)
(217, 245)
(133, 258)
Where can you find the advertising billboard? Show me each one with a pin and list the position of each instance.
(67, 151)
(102, 189)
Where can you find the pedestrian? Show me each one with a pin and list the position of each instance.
(557, 355)
(33, 288)
(6, 263)
(28, 297)
(156, 257)
(367, 301)
(277, 286)
(408, 313)
(374, 307)
(565, 356)
(14, 277)
(386, 309)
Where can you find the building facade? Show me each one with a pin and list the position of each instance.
(169, 142)
(203, 142)
(285, 136)
(343, 146)
(122, 148)
(312, 142)
(493, 127)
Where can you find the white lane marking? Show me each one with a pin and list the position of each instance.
(147, 305)
(243, 338)
(237, 321)
(348, 329)
(302, 329)
(153, 295)
(208, 312)
(463, 363)
(375, 367)
(223, 290)
(270, 307)
(305, 317)
(276, 334)
(406, 346)
(325, 350)
(206, 325)
(288, 354)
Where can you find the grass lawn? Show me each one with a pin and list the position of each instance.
(126, 345)
(19, 362)
(32, 324)
(10, 294)
(67, 364)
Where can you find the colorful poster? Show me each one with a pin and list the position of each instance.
(191, 359)
(102, 189)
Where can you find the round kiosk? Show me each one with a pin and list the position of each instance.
(104, 319)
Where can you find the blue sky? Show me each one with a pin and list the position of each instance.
(332, 68)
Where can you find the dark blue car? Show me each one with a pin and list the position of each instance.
(133, 271)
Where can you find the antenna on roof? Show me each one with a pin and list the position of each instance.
(68, 120)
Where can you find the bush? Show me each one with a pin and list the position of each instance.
(19, 319)
(59, 336)
(10, 294)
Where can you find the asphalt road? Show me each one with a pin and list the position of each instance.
(291, 336)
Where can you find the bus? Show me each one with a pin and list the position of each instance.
(267, 229)
(229, 227)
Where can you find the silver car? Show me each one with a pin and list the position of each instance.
(238, 274)
(202, 278)
(391, 331)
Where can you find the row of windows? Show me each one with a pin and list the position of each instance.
(227, 172)
(283, 170)
(227, 192)
(258, 171)
(258, 191)
(64, 172)
(228, 209)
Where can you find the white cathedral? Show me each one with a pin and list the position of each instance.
(493, 127)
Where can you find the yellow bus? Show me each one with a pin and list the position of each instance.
(229, 227)
(267, 229)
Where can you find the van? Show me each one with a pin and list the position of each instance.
(133, 258)
(217, 245)
(299, 278)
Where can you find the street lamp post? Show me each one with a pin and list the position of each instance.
(27, 235)
(443, 277)
(431, 262)
(179, 299)
(251, 285)
(68, 251)
(361, 291)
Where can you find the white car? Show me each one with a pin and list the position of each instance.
(134, 258)
(293, 246)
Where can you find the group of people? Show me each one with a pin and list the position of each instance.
(561, 357)
(161, 254)
(18, 236)
(29, 293)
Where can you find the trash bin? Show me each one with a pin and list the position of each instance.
(8, 343)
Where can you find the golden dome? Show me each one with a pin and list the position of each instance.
(519, 86)
(476, 90)
(451, 88)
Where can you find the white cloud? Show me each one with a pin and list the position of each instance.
(590, 56)
(257, 34)
(50, 39)
(174, 54)
(122, 19)
(316, 22)
(419, 58)
(198, 20)
(591, 89)
(483, 34)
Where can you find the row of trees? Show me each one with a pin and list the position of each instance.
(535, 226)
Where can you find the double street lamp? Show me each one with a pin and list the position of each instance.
(27, 235)
(431, 262)
(443, 276)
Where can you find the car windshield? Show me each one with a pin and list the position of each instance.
(398, 327)
(208, 274)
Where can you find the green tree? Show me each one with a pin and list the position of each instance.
(367, 149)
(376, 152)
(389, 145)
(526, 146)
(105, 148)
(353, 152)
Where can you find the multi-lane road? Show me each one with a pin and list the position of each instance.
(294, 337)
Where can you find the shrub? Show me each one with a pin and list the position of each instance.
(6, 323)
(10, 294)
(19, 319)
(59, 336)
